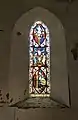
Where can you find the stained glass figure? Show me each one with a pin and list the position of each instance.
(39, 63)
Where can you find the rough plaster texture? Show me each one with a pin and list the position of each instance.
(39, 103)
(19, 55)
(10, 11)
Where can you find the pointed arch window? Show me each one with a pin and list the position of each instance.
(39, 60)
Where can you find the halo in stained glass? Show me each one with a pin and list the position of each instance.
(39, 62)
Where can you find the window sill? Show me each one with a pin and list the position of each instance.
(38, 103)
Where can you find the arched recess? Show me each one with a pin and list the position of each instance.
(19, 56)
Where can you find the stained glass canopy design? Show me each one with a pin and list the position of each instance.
(39, 60)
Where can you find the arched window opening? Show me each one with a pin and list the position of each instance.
(39, 60)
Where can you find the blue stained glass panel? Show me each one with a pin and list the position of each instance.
(39, 64)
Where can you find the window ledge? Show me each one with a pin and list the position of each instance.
(38, 103)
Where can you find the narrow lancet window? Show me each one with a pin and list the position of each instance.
(39, 60)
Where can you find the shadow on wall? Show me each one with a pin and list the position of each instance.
(74, 51)
(7, 99)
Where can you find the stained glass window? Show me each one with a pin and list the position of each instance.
(39, 60)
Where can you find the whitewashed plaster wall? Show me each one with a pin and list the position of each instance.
(19, 60)
(7, 113)
(68, 14)
(47, 114)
